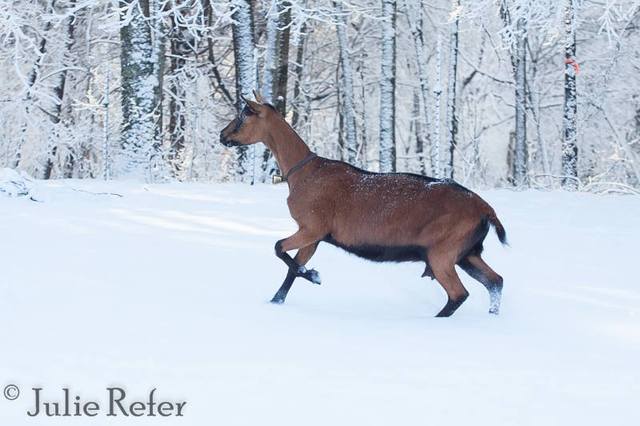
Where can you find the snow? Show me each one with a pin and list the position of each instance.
(167, 287)
(14, 183)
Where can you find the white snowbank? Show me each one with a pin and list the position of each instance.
(168, 286)
(14, 183)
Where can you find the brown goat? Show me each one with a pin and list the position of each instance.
(393, 217)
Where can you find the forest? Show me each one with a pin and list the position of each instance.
(491, 93)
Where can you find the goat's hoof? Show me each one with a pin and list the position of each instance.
(309, 274)
(312, 275)
(494, 311)
(277, 300)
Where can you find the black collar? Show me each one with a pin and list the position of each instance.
(299, 165)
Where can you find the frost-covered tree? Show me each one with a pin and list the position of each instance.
(570, 145)
(452, 120)
(387, 150)
(270, 55)
(180, 51)
(515, 18)
(346, 85)
(282, 54)
(153, 108)
(436, 165)
(139, 88)
(246, 80)
(415, 17)
(58, 92)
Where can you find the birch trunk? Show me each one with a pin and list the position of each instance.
(297, 87)
(350, 146)
(452, 120)
(246, 82)
(520, 147)
(387, 149)
(419, 133)
(437, 94)
(421, 66)
(569, 144)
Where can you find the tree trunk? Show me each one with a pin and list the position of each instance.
(282, 55)
(421, 66)
(106, 151)
(270, 57)
(419, 134)
(520, 148)
(387, 149)
(246, 82)
(31, 80)
(139, 85)
(58, 93)
(452, 120)
(297, 87)
(177, 112)
(350, 146)
(518, 55)
(437, 94)
(569, 144)
(158, 40)
(215, 72)
(364, 145)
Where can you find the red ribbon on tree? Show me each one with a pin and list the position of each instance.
(574, 64)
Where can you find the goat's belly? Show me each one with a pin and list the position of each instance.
(380, 252)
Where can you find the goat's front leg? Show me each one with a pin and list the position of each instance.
(296, 266)
(299, 240)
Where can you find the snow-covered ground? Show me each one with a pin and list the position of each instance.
(168, 287)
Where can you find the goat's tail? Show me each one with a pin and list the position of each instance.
(497, 225)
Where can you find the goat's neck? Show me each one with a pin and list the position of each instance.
(288, 148)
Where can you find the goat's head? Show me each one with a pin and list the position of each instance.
(250, 126)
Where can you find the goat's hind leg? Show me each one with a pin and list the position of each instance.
(302, 257)
(446, 275)
(476, 267)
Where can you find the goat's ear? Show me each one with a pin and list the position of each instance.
(258, 96)
(253, 106)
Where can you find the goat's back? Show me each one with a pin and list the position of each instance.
(361, 208)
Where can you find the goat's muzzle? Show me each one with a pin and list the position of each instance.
(226, 141)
